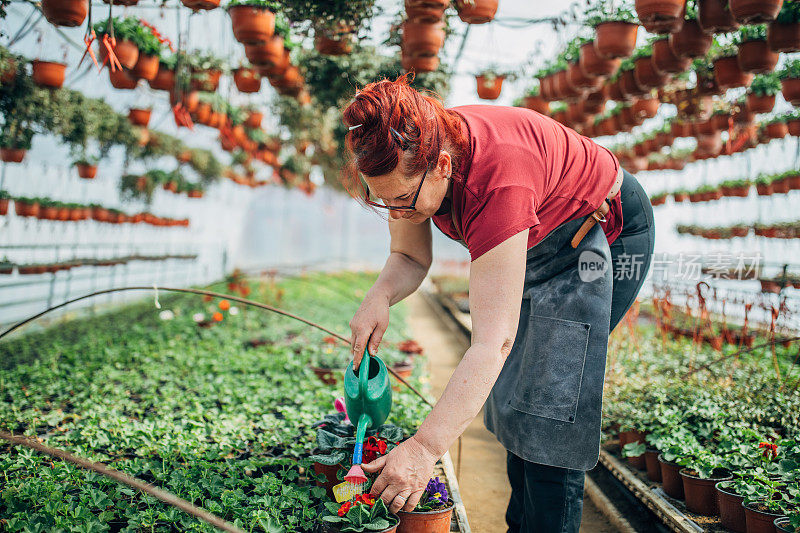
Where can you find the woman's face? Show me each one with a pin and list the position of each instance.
(396, 189)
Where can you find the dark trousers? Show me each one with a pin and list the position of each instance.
(548, 499)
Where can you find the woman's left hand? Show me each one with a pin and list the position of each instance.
(404, 474)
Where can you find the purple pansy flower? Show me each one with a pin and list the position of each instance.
(436, 490)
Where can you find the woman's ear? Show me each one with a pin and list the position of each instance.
(444, 165)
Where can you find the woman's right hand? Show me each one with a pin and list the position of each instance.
(368, 326)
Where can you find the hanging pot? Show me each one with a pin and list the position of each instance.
(489, 88)
(714, 16)
(578, 79)
(630, 86)
(269, 53)
(139, 117)
(247, 80)
(476, 11)
(12, 155)
(661, 16)
(760, 103)
(69, 13)
(202, 114)
(538, 104)
(615, 39)
(121, 80)
(291, 78)
(331, 46)
(776, 130)
(419, 63)
(146, 67)
(646, 75)
(783, 37)
(729, 74)
(691, 41)
(614, 91)
(126, 51)
(754, 11)
(252, 24)
(422, 39)
(87, 172)
(565, 89)
(201, 4)
(645, 107)
(164, 79)
(666, 61)
(744, 116)
(48, 73)
(794, 127)
(591, 64)
(790, 88)
(254, 119)
(719, 121)
(681, 129)
(757, 57)
(428, 11)
(629, 119)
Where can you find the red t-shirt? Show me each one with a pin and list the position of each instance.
(525, 170)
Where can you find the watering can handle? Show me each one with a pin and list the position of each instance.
(363, 373)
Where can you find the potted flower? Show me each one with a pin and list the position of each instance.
(762, 91)
(15, 141)
(534, 101)
(703, 470)
(127, 33)
(775, 128)
(48, 74)
(690, 41)
(644, 70)
(727, 71)
(615, 29)
(490, 83)
(750, 12)
(433, 512)
(790, 81)
(86, 166)
(476, 11)
(149, 45)
(4, 199)
(364, 513)
(754, 54)
(6, 266)
(661, 16)
(164, 80)
(67, 13)
(247, 80)
(206, 71)
(783, 34)
(253, 20)
(715, 17)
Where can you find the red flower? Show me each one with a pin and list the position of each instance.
(769, 449)
(344, 508)
(329, 340)
(365, 499)
(372, 448)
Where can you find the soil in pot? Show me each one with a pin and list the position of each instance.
(758, 519)
(476, 11)
(615, 39)
(652, 464)
(671, 479)
(69, 13)
(756, 56)
(714, 16)
(489, 88)
(754, 11)
(784, 37)
(252, 25)
(701, 494)
(731, 511)
(48, 73)
(12, 155)
(661, 16)
(426, 522)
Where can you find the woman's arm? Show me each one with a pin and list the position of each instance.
(408, 263)
(495, 293)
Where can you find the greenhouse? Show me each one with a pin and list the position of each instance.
(418, 266)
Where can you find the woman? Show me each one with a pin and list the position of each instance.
(550, 220)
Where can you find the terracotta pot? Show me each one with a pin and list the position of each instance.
(420, 63)
(565, 89)
(760, 103)
(206, 80)
(329, 471)
(12, 155)
(146, 67)
(247, 80)
(67, 13)
(592, 64)
(714, 16)
(690, 41)
(25, 209)
(126, 51)
(794, 127)
(121, 80)
(253, 120)
(790, 88)
(629, 85)
(757, 521)
(139, 117)
(538, 104)
(202, 115)
(201, 4)
(661, 16)
(754, 11)
(87, 172)
(671, 479)
(164, 80)
(476, 11)
(646, 74)
(269, 53)
(700, 494)
(489, 88)
(3, 206)
(578, 79)
(426, 522)
(48, 73)
(645, 108)
(729, 74)
(615, 39)
(777, 130)
(756, 56)
(783, 37)
(731, 511)
(291, 78)
(333, 47)
(428, 11)
(666, 61)
(252, 25)
(420, 39)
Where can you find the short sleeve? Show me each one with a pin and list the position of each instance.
(502, 213)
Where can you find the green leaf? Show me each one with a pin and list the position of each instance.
(390, 432)
(334, 458)
(378, 525)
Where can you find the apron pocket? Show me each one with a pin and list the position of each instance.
(550, 376)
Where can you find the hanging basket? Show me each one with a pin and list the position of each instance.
(760, 103)
(421, 39)
(578, 79)
(714, 16)
(87, 172)
(729, 74)
(592, 64)
(757, 57)
(754, 11)
(661, 16)
(629, 85)
(419, 63)
(333, 46)
(48, 73)
(666, 61)
(12, 155)
(476, 11)
(126, 51)
(204, 5)
(489, 87)
(784, 37)
(428, 11)
(536, 103)
(790, 88)
(691, 41)
(69, 13)
(121, 80)
(645, 107)
(164, 80)
(247, 80)
(615, 39)
(269, 53)
(646, 74)
(206, 80)
(776, 130)
(139, 117)
(251, 24)
(146, 67)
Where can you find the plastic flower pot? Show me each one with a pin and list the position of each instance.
(760, 103)
(139, 117)
(476, 11)
(758, 519)
(197, 5)
(67, 13)
(615, 39)
(329, 471)
(691, 41)
(661, 16)
(538, 104)
(790, 88)
(426, 10)
(754, 11)
(146, 67)
(426, 522)
(247, 80)
(666, 61)
(784, 37)
(777, 130)
(714, 16)
(270, 52)
(420, 64)
(422, 39)
(489, 88)
(731, 511)
(206, 80)
(756, 56)
(330, 46)
(251, 24)
(630, 86)
(652, 465)
(164, 80)
(646, 74)
(12, 155)
(794, 127)
(48, 73)
(87, 172)
(578, 79)
(701, 494)
(126, 51)
(26, 209)
(671, 479)
(121, 80)
(728, 74)
(783, 525)
(592, 64)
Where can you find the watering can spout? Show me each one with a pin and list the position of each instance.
(368, 392)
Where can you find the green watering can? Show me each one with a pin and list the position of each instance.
(368, 397)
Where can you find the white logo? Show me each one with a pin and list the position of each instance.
(591, 266)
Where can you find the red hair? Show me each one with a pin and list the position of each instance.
(417, 116)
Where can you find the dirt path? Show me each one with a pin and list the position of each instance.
(483, 481)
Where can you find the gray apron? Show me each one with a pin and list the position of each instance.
(546, 404)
